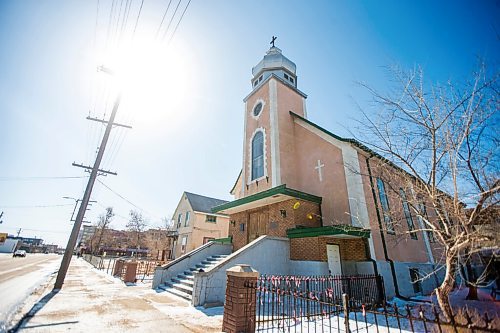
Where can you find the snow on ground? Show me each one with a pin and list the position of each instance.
(25, 282)
(92, 299)
(484, 304)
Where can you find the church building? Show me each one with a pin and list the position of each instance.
(320, 191)
(308, 202)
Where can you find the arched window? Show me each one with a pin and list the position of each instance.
(258, 155)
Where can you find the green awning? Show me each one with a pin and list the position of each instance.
(264, 198)
(343, 231)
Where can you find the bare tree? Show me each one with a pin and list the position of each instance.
(137, 224)
(102, 226)
(436, 148)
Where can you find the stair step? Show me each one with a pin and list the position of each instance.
(186, 277)
(176, 292)
(220, 256)
(179, 286)
(186, 282)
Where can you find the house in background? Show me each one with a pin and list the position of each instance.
(195, 224)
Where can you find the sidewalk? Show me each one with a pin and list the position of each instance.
(90, 300)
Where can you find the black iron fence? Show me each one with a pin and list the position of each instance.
(332, 304)
(145, 267)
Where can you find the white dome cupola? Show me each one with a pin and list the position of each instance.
(274, 62)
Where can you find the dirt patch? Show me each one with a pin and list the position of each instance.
(132, 304)
(125, 323)
(163, 299)
(61, 314)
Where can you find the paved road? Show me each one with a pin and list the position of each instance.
(20, 276)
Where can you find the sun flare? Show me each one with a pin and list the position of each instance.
(152, 78)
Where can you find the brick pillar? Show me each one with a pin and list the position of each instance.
(239, 309)
(130, 272)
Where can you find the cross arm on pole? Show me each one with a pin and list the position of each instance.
(90, 168)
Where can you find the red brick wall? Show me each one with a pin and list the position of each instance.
(314, 248)
(277, 225)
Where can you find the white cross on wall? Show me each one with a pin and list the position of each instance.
(320, 173)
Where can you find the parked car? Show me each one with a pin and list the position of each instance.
(19, 253)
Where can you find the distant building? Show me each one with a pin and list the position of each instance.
(8, 245)
(195, 223)
(87, 232)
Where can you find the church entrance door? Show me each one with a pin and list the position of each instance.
(257, 225)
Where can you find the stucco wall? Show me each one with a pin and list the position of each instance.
(332, 188)
(400, 246)
(201, 229)
(183, 263)
(252, 124)
(210, 286)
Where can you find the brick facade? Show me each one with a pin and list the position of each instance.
(314, 248)
(281, 217)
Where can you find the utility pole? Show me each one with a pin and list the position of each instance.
(86, 197)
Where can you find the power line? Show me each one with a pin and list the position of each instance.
(163, 18)
(36, 206)
(184, 12)
(6, 179)
(122, 197)
(137, 21)
(171, 19)
(38, 230)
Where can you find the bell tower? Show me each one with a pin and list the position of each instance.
(268, 143)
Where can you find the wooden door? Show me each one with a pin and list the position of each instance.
(257, 225)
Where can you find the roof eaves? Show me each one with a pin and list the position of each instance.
(236, 182)
(282, 189)
(278, 78)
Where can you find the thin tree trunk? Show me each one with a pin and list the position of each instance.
(471, 283)
(443, 291)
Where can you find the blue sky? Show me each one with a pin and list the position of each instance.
(190, 138)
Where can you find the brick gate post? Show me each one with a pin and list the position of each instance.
(239, 309)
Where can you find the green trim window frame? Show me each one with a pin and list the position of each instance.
(407, 212)
(384, 202)
(186, 222)
(258, 155)
(179, 220)
(211, 219)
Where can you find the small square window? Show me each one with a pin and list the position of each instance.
(211, 219)
(283, 213)
(242, 226)
(291, 79)
(286, 76)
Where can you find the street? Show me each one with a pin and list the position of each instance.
(20, 276)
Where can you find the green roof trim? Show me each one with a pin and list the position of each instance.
(303, 232)
(226, 240)
(282, 189)
(361, 146)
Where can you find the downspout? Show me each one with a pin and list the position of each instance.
(384, 246)
(373, 261)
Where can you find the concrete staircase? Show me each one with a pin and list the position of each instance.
(182, 284)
